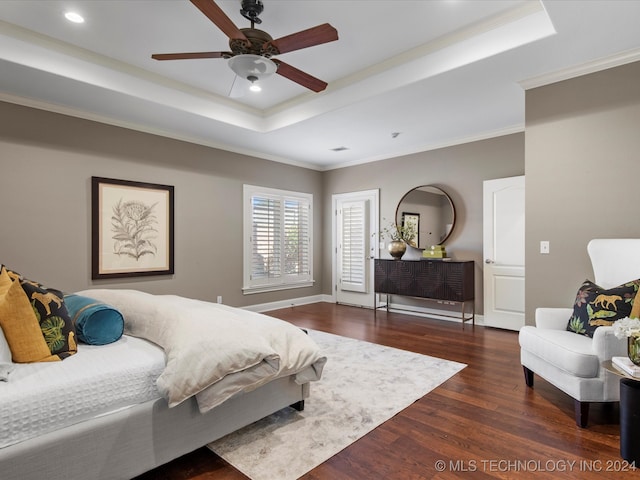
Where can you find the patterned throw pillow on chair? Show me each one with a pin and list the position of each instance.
(595, 306)
(52, 315)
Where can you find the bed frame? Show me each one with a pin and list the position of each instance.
(132, 441)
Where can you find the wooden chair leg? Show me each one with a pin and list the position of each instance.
(582, 413)
(528, 377)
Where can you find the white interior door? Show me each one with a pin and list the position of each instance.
(355, 223)
(503, 248)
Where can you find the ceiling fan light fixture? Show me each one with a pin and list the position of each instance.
(74, 17)
(254, 86)
(251, 49)
(252, 67)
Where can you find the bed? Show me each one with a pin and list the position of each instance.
(184, 373)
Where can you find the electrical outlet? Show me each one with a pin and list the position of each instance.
(544, 246)
(219, 298)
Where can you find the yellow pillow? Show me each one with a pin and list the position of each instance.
(20, 324)
(635, 309)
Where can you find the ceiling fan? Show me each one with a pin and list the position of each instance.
(252, 49)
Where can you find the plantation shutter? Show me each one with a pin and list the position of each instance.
(296, 237)
(353, 246)
(278, 253)
(266, 253)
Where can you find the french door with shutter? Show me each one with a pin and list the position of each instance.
(355, 246)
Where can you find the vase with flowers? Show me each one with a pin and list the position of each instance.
(398, 236)
(629, 328)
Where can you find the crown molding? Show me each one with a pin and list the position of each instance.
(598, 65)
(452, 142)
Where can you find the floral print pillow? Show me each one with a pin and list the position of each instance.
(595, 306)
(51, 312)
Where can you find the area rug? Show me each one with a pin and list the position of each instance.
(362, 386)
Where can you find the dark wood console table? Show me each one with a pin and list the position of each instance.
(448, 282)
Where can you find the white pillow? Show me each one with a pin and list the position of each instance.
(5, 370)
(5, 352)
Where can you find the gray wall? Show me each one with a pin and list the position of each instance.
(458, 170)
(582, 163)
(581, 148)
(47, 160)
(46, 163)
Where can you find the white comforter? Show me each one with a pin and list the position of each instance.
(214, 351)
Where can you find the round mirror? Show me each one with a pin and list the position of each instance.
(429, 212)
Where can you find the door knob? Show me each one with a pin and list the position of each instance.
(488, 260)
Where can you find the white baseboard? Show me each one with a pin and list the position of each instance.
(292, 302)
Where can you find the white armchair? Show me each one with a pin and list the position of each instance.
(572, 362)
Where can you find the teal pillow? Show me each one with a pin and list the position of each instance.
(96, 323)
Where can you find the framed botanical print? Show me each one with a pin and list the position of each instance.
(131, 228)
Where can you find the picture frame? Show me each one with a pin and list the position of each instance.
(412, 219)
(132, 228)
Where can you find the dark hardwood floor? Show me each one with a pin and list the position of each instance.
(482, 423)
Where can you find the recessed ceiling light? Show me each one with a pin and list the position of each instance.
(74, 17)
(255, 87)
(339, 149)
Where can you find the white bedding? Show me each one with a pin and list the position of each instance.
(43, 397)
(214, 351)
(189, 348)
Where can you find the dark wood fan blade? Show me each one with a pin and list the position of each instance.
(306, 38)
(189, 56)
(217, 16)
(300, 77)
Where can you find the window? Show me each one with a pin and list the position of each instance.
(277, 245)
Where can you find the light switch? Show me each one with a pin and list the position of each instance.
(544, 246)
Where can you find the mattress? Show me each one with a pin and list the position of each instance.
(44, 397)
